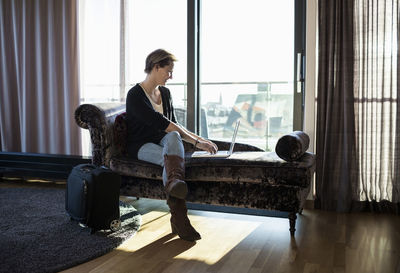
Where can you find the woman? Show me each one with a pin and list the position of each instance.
(155, 136)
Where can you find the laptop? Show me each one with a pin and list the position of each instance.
(220, 153)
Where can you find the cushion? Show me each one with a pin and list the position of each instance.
(120, 134)
(241, 167)
(292, 146)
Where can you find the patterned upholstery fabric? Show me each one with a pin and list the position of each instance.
(249, 167)
(292, 146)
(120, 134)
(248, 195)
(249, 178)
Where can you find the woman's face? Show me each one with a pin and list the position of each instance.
(165, 73)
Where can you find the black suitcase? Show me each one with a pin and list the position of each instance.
(92, 197)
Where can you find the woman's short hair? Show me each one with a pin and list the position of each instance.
(159, 57)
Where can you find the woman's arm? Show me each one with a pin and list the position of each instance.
(199, 138)
(192, 138)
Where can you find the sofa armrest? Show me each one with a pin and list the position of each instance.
(99, 119)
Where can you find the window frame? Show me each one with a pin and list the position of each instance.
(193, 64)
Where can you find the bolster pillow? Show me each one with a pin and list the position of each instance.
(292, 146)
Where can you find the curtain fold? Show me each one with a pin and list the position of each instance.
(357, 114)
(39, 76)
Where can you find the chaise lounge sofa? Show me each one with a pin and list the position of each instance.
(250, 178)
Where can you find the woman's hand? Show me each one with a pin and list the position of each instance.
(207, 145)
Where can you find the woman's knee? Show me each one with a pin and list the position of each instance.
(174, 137)
(173, 144)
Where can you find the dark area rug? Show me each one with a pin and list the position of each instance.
(37, 235)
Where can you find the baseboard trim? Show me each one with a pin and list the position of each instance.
(309, 204)
(46, 166)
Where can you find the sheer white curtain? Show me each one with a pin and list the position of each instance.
(39, 76)
(376, 102)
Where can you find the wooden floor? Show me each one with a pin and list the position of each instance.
(324, 242)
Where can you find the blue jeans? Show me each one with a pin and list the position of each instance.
(170, 144)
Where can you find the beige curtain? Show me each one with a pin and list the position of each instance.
(39, 76)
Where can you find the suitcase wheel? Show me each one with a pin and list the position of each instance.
(115, 225)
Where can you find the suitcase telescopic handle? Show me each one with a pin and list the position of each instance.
(89, 205)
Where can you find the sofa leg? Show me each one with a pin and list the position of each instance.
(292, 222)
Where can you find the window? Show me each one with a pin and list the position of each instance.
(247, 60)
(152, 24)
(114, 42)
(114, 45)
(238, 62)
(99, 42)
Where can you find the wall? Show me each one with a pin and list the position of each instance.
(311, 76)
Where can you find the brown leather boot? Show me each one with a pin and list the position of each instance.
(175, 168)
(180, 223)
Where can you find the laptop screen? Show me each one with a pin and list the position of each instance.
(234, 136)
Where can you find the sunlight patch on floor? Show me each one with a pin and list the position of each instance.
(148, 231)
(209, 249)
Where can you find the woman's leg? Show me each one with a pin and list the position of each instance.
(174, 151)
(170, 144)
(152, 153)
(174, 165)
(169, 154)
(174, 170)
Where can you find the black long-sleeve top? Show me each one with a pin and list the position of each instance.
(144, 124)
